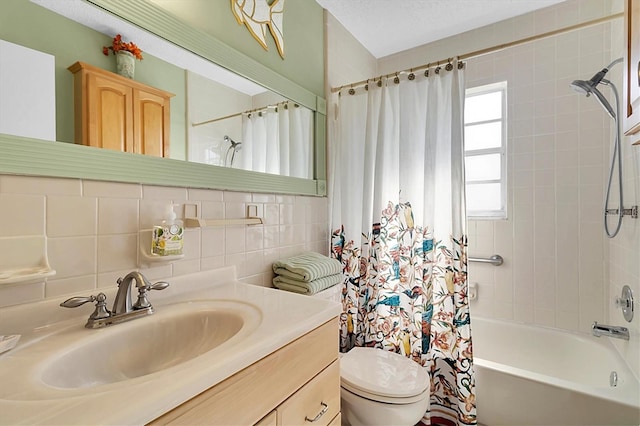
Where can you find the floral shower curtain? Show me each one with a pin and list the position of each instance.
(399, 229)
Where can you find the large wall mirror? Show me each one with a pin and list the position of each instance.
(235, 124)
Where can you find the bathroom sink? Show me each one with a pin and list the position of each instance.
(78, 358)
(206, 328)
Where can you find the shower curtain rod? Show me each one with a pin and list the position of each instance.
(244, 112)
(487, 50)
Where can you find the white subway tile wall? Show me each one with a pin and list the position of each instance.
(555, 271)
(92, 231)
(560, 269)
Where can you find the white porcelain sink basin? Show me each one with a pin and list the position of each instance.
(132, 373)
(78, 358)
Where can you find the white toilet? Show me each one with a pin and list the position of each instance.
(379, 387)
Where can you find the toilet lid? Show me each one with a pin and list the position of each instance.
(382, 373)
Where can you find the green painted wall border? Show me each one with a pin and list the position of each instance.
(34, 157)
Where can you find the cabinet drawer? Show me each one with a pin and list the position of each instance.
(320, 395)
(337, 420)
(268, 420)
(247, 396)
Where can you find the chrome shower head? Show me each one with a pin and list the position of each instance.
(587, 87)
(581, 86)
(234, 145)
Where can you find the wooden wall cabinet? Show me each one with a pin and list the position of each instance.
(281, 389)
(631, 92)
(117, 113)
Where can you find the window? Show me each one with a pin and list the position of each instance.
(485, 151)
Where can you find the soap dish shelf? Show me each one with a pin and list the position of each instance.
(25, 275)
(146, 258)
(24, 260)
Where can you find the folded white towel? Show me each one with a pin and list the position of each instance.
(307, 266)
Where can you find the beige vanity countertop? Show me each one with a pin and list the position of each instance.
(285, 317)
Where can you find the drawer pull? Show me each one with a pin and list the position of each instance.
(325, 407)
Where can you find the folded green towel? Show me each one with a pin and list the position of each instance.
(307, 266)
(306, 287)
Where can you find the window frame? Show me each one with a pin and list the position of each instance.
(502, 150)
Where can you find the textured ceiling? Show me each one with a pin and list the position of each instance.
(385, 27)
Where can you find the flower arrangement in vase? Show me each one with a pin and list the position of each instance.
(126, 53)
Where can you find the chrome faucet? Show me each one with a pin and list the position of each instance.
(122, 303)
(123, 308)
(609, 330)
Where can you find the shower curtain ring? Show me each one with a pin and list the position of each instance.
(449, 66)
(396, 79)
(426, 72)
(411, 75)
(437, 70)
(352, 90)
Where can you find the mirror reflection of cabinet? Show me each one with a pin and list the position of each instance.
(631, 92)
(118, 113)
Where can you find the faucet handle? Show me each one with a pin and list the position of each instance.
(99, 312)
(160, 285)
(142, 301)
(74, 302)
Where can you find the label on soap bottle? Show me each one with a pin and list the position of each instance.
(167, 240)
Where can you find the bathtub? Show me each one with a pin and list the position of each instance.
(528, 375)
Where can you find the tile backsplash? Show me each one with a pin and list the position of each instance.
(555, 271)
(92, 230)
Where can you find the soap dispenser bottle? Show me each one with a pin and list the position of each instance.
(166, 238)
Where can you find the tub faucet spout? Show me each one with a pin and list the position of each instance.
(609, 330)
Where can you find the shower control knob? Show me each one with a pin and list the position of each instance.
(625, 302)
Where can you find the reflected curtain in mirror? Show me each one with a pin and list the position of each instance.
(278, 140)
(271, 135)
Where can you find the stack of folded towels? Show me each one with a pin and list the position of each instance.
(307, 273)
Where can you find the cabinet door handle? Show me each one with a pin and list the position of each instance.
(325, 407)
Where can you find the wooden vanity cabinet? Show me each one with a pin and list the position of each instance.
(631, 91)
(281, 389)
(117, 113)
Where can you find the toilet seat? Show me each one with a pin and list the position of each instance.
(383, 376)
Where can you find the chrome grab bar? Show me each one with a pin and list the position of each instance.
(495, 260)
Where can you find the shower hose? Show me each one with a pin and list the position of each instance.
(616, 156)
